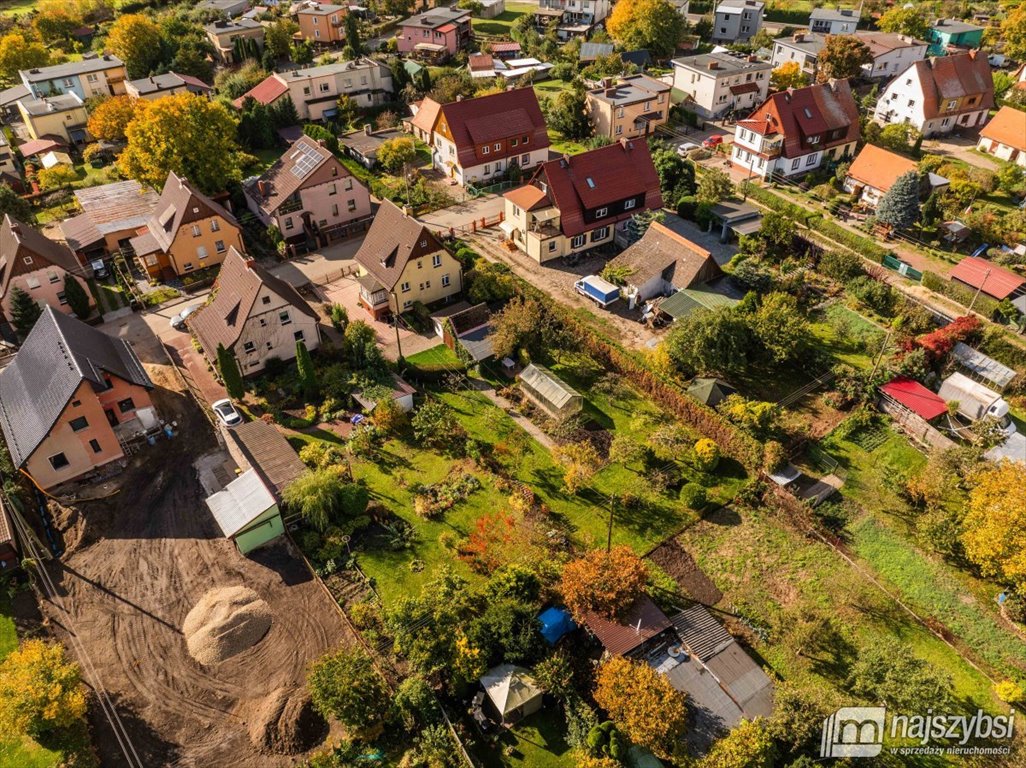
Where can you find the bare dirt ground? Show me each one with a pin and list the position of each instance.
(136, 564)
(682, 568)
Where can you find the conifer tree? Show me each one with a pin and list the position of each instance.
(900, 205)
(230, 374)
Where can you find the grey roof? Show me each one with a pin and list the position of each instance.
(436, 17)
(591, 51)
(269, 453)
(71, 68)
(236, 25)
(167, 81)
(50, 104)
(10, 95)
(548, 385)
(368, 144)
(241, 502)
(955, 26)
(983, 365)
(713, 711)
(118, 206)
(726, 64)
(631, 90)
(700, 632)
(80, 232)
(58, 355)
(810, 42)
(835, 14)
(478, 343)
(736, 6)
(1013, 448)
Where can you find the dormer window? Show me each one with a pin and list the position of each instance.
(813, 139)
(601, 213)
(485, 150)
(629, 204)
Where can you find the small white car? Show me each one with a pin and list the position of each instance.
(226, 413)
(687, 148)
(178, 321)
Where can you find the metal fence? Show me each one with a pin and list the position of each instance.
(490, 189)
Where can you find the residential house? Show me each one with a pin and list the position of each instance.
(254, 315)
(803, 47)
(634, 106)
(873, 172)
(9, 98)
(953, 36)
(663, 261)
(63, 116)
(70, 398)
(93, 75)
(422, 124)
(735, 21)
(37, 265)
(246, 512)
(1005, 136)
(939, 94)
(112, 214)
(223, 34)
(715, 84)
(322, 24)
(572, 18)
(834, 21)
(435, 35)
(574, 204)
(363, 145)
(891, 53)
(168, 84)
(315, 90)
(549, 392)
(798, 130)
(476, 140)
(229, 8)
(309, 195)
(187, 231)
(402, 263)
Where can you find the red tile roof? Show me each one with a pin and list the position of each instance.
(486, 119)
(812, 111)
(266, 91)
(915, 397)
(995, 281)
(879, 168)
(505, 47)
(600, 178)
(953, 77)
(1007, 127)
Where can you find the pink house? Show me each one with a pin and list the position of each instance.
(310, 196)
(37, 265)
(435, 35)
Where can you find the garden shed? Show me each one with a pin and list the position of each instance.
(246, 512)
(512, 691)
(401, 392)
(549, 392)
(710, 392)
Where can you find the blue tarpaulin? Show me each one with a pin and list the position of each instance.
(555, 622)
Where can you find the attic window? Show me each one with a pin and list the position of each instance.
(267, 299)
(27, 259)
(808, 113)
(590, 182)
(423, 243)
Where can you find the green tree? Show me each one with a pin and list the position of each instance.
(842, 57)
(41, 689)
(1013, 33)
(348, 111)
(57, 177)
(228, 367)
(136, 40)
(899, 206)
(360, 346)
(780, 328)
(184, 133)
(711, 341)
(748, 745)
(24, 312)
(346, 686)
(77, 297)
(12, 205)
(904, 20)
(301, 52)
(256, 127)
(18, 52)
(788, 75)
(555, 674)
(436, 426)
(306, 371)
(284, 113)
(676, 175)
(322, 496)
(395, 154)
(652, 24)
(517, 327)
(887, 673)
(278, 37)
(415, 702)
(352, 37)
(568, 114)
(714, 187)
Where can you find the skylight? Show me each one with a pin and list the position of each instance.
(590, 182)
(808, 113)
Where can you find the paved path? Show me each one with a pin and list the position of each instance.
(464, 214)
(522, 421)
(961, 148)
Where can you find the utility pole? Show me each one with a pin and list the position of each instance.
(983, 283)
(879, 357)
(609, 535)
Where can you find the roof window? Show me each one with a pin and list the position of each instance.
(590, 182)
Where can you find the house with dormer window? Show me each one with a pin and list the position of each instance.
(474, 141)
(797, 131)
(402, 263)
(939, 94)
(574, 204)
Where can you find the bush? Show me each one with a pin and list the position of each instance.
(707, 454)
(694, 496)
(964, 295)
(687, 206)
(876, 295)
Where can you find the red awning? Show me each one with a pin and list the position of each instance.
(915, 397)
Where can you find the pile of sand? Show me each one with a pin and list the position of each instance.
(286, 723)
(225, 622)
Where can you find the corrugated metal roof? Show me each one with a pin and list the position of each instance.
(700, 632)
(241, 502)
(269, 453)
(640, 623)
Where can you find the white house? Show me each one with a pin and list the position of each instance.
(1005, 136)
(717, 83)
(834, 21)
(737, 20)
(939, 94)
(891, 53)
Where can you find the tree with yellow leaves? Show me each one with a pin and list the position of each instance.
(749, 745)
(111, 117)
(40, 689)
(643, 704)
(135, 39)
(607, 583)
(18, 52)
(184, 133)
(651, 24)
(788, 75)
(994, 529)
(580, 462)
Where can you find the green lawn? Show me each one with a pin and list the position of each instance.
(565, 146)
(502, 23)
(551, 87)
(11, 7)
(439, 356)
(8, 634)
(537, 742)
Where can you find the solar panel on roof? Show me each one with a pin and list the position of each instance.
(306, 159)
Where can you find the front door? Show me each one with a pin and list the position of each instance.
(112, 418)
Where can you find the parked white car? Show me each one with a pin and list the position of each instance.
(226, 413)
(178, 321)
(687, 148)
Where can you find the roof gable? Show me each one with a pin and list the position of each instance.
(180, 204)
(392, 241)
(474, 122)
(19, 241)
(815, 110)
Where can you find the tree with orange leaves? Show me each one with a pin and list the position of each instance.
(643, 704)
(603, 582)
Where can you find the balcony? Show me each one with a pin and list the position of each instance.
(291, 205)
(772, 148)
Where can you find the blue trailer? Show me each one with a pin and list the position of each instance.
(602, 292)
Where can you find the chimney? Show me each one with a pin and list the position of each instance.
(263, 187)
(610, 91)
(714, 65)
(752, 58)
(459, 97)
(367, 129)
(250, 262)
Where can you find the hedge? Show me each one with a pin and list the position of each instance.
(784, 16)
(664, 392)
(963, 294)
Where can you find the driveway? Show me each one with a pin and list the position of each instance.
(463, 215)
(347, 293)
(961, 148)
(321, 266)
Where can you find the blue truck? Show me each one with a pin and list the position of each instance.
(602, 292)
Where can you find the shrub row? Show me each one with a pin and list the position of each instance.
(963, 294)
(782, 15)
(667, 394)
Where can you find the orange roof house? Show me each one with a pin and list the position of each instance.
(874, 171)
(1005, 136)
